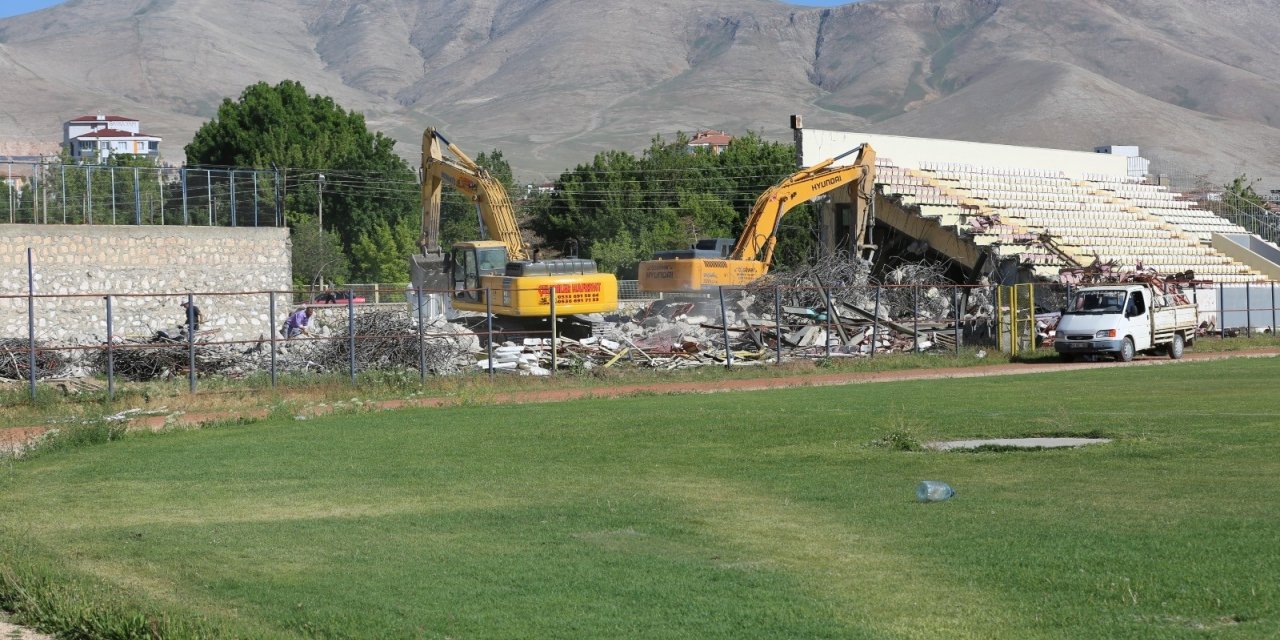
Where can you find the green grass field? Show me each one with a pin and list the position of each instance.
(781, 514)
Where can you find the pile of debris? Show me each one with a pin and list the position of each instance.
(389, 339)
(15, 360)
(830, 308)
(162, 359)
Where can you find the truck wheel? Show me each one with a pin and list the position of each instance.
(1126, 351)
(1176, 347)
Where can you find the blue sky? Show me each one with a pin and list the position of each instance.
(15, 7)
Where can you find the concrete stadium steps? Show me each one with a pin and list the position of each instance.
(1104, 217)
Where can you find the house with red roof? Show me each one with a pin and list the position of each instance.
(98, 137)
(715, 141)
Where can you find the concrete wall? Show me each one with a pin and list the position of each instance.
(149, 270)
(817, 145)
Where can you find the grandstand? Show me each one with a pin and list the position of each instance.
(1025, 214)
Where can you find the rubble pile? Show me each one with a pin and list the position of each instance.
(162, 359)
(388, 339)
(827, 308)
(15, 361)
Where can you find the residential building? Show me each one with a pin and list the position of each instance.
(97, 137)
(716, 141)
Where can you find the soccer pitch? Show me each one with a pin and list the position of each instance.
(765, 514)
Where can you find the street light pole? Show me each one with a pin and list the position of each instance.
(320, 217)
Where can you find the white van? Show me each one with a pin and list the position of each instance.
(1125, 319)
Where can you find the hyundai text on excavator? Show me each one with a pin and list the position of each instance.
(709, 263)
(519, 284)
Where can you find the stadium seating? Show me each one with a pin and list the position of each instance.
(1048, 220)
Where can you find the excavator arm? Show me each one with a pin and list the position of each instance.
(474, 181)
(760, 235)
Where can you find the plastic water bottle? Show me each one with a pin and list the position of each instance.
(933, 491)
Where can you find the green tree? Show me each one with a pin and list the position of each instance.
(305, 136)
(317, 256)
(1239, 195)
(380, 254)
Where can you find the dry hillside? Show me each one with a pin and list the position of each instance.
(1196, 83)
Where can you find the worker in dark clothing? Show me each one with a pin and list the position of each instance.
(193, 318)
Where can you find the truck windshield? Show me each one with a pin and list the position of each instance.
(1097, 301)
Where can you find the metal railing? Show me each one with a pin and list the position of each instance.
(44, 193)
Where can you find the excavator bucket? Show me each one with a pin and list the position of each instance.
(428, 270)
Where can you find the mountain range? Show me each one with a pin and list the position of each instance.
(1195, 83)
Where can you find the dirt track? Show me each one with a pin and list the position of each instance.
(14, 436)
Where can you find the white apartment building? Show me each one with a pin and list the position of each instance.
(97, 137)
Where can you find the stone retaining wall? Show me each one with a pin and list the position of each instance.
(148, 270)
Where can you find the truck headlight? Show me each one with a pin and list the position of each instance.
(1105, 333)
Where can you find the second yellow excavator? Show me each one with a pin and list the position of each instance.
(519, 285)
(710, 263)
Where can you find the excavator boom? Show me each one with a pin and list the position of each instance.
(496, 213)
(752, 254)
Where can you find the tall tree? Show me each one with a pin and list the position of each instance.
(305, 136)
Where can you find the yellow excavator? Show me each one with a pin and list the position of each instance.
(711, 262)
(519, 284)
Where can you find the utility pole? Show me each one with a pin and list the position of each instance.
(320, 215)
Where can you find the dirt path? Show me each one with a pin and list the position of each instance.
(817, 380)
(14, 632)
(15, 436)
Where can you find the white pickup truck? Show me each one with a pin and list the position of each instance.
(1125, 319)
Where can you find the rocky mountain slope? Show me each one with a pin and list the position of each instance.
(1196, 83)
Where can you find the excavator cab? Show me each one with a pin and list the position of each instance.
(470, 261)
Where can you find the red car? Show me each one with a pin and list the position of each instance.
(336, 297)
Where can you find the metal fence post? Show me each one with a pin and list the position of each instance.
(1222, 312)
(112, 174)
(88, 195)
(554, 363)
(777, 321)
(1248, 312)
(915, 318)
(955, 302)
(208, 179)
(1273, 308)
(271, 328)
(351, 331)
(826, 294)
(182, 176)
(231, 187)
(64, 193)
(488, 315)
(255, 198)
(111, 354)
(422, 347)
(875, 324)
(31, 322)
(191, 344)
(137, 199)
(724, 328)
